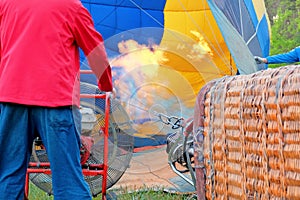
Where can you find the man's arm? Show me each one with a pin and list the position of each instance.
(91, 42)
(289, 57)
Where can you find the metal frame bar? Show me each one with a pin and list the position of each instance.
(94, 169)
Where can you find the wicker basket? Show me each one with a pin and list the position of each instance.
(247, 136)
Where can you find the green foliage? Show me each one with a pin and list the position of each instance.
(285, 24)
(272, 6)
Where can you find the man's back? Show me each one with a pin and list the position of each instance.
(39, 55)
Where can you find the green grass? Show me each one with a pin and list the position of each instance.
(152, 194)
(37, 194)
(122, 194)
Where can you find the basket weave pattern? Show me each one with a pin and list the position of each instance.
(252, 136)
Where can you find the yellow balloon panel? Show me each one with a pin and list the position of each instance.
(193, 45)
(187, 5)
(184, 85)
(260, 9)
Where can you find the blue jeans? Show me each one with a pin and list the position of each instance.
(59, 131)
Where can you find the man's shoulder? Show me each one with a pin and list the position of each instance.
(65, 6)
(65, 3)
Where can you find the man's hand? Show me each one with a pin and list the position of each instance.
(260, 60)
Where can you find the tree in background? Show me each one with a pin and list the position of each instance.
(285, 23)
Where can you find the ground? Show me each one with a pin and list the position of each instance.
(150, 169)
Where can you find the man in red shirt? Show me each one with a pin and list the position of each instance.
(39, 81)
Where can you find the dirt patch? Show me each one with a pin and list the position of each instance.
(150, 169)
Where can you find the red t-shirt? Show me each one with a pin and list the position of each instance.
(40, 55)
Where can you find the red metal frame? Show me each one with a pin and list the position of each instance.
(94, 169)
